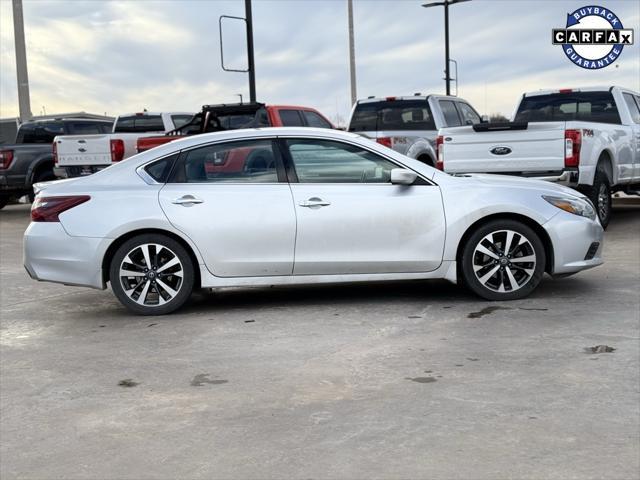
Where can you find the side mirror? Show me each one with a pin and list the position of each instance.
(400, 176)
(484, 119)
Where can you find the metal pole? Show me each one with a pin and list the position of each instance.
(352, 53)
(24, 102)
(446, 46)
(252, 68)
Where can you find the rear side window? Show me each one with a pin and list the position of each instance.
(252, 161)
(160, 169)
(291, 118)
(392, 115)
(180, 120)
(468, 114)
(139, 123)
(451, 117)
(597, 107)
(315, 120)
(632, 106)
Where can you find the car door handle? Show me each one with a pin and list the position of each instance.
(187, 200)
(314, 202)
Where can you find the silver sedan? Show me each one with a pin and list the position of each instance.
(284, 206)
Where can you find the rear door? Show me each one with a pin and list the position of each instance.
(352, 220)
(233, 201)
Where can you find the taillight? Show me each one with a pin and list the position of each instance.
(6, 157)
(117, 150)
(440, 152)
(386, 141)
(572, 144)
(47, 209)
(54, 148)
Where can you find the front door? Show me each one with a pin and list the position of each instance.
(352, 220)
(233, 201)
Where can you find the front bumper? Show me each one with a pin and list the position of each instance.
(573, 238)
(52, 255)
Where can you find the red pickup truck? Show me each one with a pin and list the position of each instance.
(215, 118)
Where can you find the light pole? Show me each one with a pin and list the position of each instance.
(445, 4)
(24, 103)
(352, 53)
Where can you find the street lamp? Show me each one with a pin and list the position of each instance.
(445, 4)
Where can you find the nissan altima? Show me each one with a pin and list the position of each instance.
(284, 206)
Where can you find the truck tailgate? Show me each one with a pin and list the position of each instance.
(538, 148)
(83, 150)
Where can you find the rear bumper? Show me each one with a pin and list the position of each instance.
(574, 238)
(51, 255)
(13, 184)
(567, 177)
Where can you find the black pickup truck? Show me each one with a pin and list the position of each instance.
(30, 159)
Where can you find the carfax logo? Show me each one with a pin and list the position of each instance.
(593, 38)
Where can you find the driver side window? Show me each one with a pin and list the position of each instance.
(326, 161)
(252, 161)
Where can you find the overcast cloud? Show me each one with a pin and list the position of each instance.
(122, 56)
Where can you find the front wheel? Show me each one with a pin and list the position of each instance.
(503, 260)
(152, 274)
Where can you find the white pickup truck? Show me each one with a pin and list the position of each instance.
(76, 155)
(587, 138)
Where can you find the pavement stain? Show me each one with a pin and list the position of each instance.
(421, 379)
(200, 379)
(128, 383)
(487, 311)
(533, 309)
(249, 321)
(599, 349)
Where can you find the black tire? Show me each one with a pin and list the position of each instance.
(4, 199)
(44, 176)
(157, 297)
(600, 196)
(527, 275)
(426, 159)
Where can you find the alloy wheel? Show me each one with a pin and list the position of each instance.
(504, 261)
(151, 274)
(603, 201)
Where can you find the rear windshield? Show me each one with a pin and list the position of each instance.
(392, 115)
(597, 107)
(139, 123)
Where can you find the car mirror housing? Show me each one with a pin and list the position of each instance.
(400, 176)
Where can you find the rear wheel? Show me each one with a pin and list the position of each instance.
(152, 274)
(44, 176)
(600, 196)
(503, 260)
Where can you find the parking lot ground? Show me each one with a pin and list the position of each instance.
(405, 380)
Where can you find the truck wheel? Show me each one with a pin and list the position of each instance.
(45, 176)
(600, 196)
(152, 274)
(4, 199)
(503, 260)
(426, 159)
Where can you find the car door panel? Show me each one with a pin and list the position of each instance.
(368, 228)
(228, 199)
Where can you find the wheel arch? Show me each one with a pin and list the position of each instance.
(39, 165)
(528, 221)
(113, 247)
(606, 160)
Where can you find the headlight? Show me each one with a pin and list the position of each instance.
(577, 206)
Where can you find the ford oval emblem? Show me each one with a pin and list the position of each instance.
(501, 150)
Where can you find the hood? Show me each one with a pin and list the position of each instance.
(521, 182)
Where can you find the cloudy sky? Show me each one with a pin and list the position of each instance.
(121, 56)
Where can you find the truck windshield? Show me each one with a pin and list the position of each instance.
(597, 107)
(392, 115)
(139, 123)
